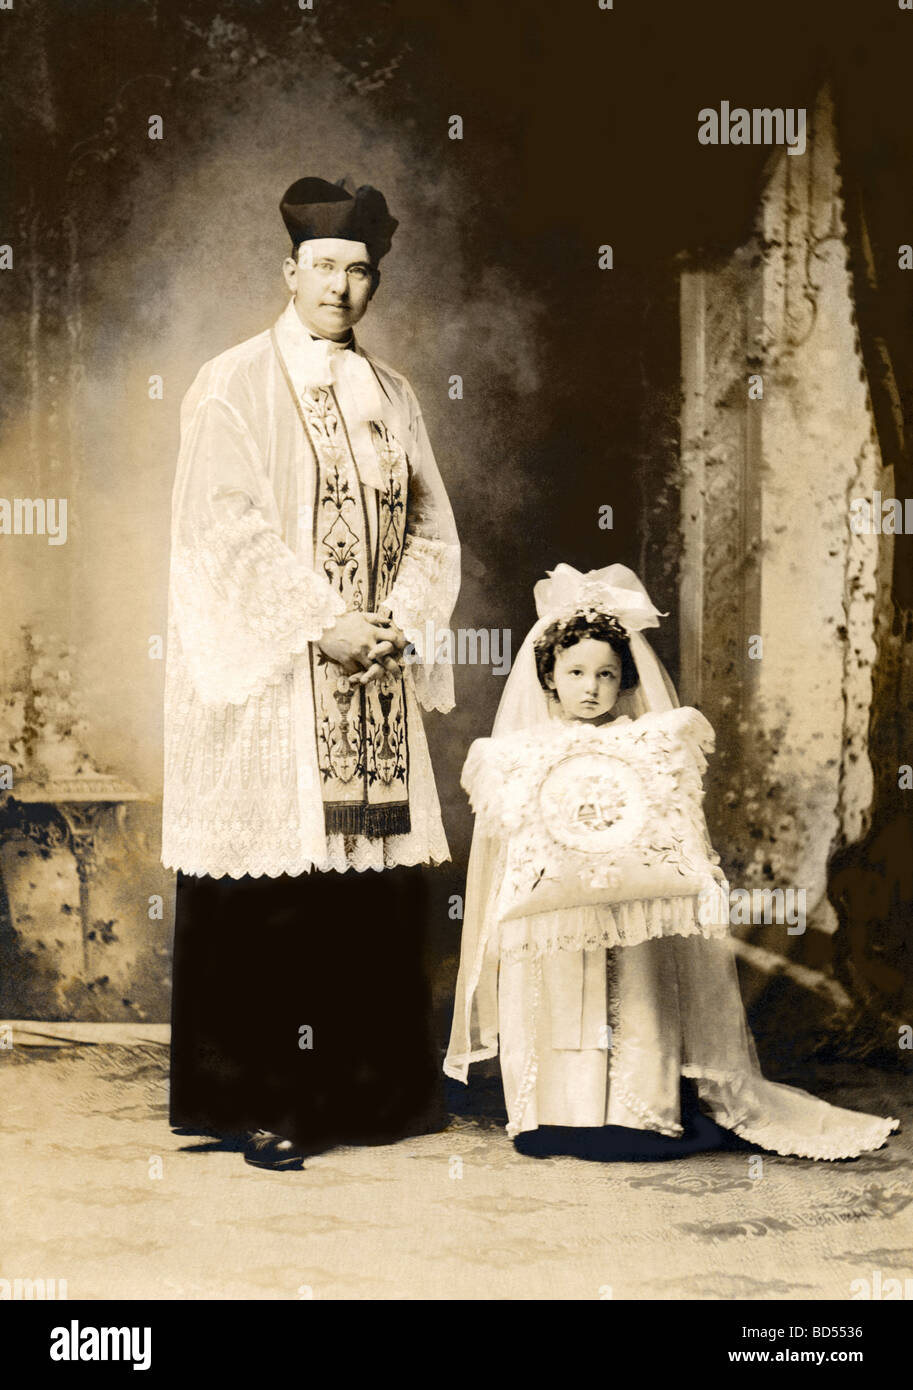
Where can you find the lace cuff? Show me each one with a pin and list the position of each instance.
(245, 607)
(421, 602)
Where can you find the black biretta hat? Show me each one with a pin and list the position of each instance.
(315, 208)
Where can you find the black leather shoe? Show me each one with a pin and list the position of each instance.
(266, 1150)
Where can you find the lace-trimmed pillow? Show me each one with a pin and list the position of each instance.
(597, 815)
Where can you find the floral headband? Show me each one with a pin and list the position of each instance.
(591, 614)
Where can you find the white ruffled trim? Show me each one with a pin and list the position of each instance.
(768, 1135)
(652, 1120)
(606, 924)
(531, 1069)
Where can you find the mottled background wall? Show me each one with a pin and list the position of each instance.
(137, 257)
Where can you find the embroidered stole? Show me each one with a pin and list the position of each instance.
(362, 738)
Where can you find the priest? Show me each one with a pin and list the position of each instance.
(312, 542)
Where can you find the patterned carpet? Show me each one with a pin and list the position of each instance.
(458, 1215)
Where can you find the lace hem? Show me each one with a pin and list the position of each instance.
(767, 1134)
(858, 1133)
(773, 1136)
(360, 857)
(609, 925)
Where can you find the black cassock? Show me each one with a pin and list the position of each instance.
(302, 1005)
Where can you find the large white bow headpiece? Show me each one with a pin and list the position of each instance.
(615, 590)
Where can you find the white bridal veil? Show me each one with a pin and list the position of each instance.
(703, 1013)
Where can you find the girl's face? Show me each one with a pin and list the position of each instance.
(586, 678)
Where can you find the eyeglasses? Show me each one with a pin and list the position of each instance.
(360, 274)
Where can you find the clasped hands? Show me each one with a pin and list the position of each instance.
(365, 645)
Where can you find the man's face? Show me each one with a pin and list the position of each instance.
(332, 281)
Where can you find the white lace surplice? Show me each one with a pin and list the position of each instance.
(242, 792)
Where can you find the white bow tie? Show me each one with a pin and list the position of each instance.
(321, 362)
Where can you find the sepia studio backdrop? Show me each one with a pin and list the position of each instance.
(583, 389)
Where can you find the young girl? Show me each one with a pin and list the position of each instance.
(596, 934)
